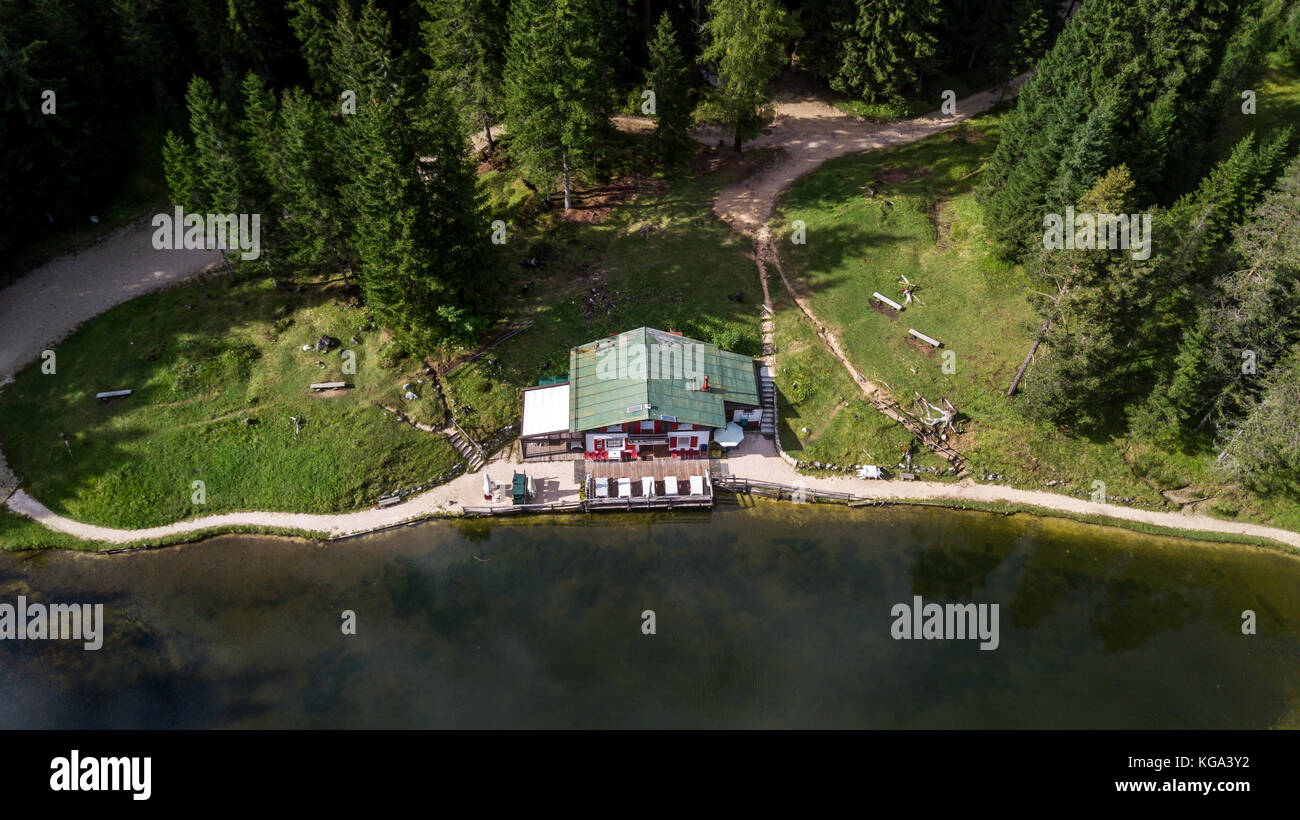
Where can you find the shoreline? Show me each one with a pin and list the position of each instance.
(1283, 541)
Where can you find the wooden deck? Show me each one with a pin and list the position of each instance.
(657, 468)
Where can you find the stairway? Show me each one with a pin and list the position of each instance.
(468, 451)
(767, 396)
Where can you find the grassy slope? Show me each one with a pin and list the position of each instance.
(977, 306)
(197, 374)
(678, 277)
(821, 414)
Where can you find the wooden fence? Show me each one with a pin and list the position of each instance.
(598, 505)
(781, 492)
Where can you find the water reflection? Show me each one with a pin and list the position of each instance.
(773, 616)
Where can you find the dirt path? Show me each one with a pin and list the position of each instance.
(810, 132)
(50, 302)
(755, 459)
(554, 482)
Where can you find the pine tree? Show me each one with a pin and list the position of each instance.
(667, 79)
(746, 47)
(557, 84)
(1254, 306)
(1261, 447)
(1151, 68)
(180, 170)
(887, 48)
(415, 224)
(218, 177)
(465, 41)
(312, 23)
(1100, 297)
(307, 182)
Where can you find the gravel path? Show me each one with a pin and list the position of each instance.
(756, 459)
(50, 302)
(554, 481)
(811, 132)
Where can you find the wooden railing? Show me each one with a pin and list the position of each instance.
(746, 486)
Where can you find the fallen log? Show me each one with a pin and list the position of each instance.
(1020, 374)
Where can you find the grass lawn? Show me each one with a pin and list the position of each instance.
(603, 277)
(1276, 83)
(821, 415)
(202, 358)
(969, 300)
(18, 532)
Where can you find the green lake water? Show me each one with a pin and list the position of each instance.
(776, 616)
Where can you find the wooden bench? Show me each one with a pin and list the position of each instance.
(918, 334)
(907, 476)
(330, 386)
(388, 501)
(883, 298)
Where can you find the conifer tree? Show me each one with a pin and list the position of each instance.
(312, 24)
(1099, 296)
(667, 79)
(887, 48)
(1127, 80)
(465, 41)
(415, 224)
(746, 47)
(1254, 306)
(557, 85)
(307, 181)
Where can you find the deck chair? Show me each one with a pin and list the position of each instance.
(647, 486)
(625, 488)
(670, 485)
(697, 485)
(602, 488)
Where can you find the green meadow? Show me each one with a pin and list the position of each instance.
(217, 373)
(923, 222)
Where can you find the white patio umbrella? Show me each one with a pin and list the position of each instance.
(487, 486)
(729, 436)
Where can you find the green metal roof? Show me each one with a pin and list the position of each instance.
(647, 374)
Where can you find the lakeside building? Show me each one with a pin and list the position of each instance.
(641, 394)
